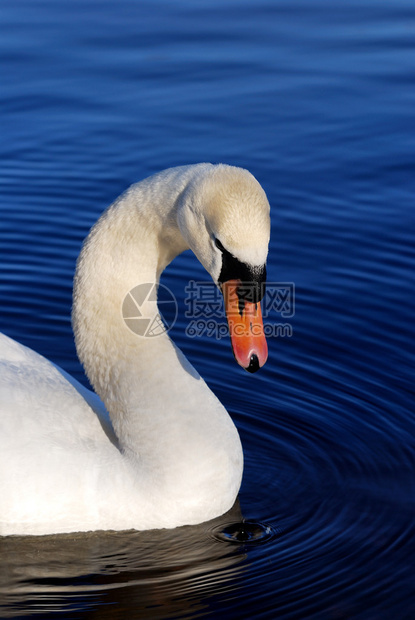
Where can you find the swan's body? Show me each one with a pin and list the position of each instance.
(171, 454)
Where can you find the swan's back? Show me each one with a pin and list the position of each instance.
(38, 400)
(50, 437)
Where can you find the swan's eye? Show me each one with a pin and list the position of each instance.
(219, 245)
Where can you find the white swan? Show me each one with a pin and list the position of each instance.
(171, 454)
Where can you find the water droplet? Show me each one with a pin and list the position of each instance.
(244, 532)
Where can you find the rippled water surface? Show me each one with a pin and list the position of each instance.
(317, 99)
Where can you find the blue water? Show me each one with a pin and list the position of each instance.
(317, 99)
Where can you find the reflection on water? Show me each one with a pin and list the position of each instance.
(167, 573)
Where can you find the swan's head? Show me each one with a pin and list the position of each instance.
(224, 217)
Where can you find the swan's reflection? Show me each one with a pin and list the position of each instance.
(159, 573)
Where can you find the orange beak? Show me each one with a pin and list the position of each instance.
(245, 328)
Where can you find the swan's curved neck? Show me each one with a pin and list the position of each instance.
(163, 413)
(177, 440)
(131, 244)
